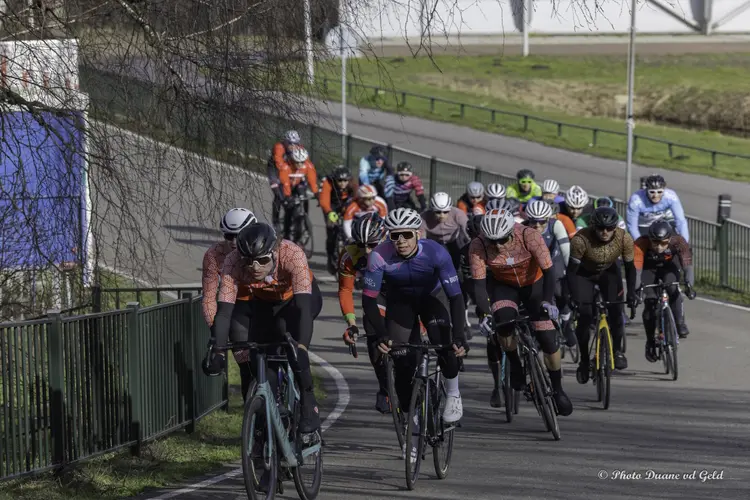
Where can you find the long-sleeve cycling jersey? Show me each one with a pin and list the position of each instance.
(291, 277)
(369, 173)
(646, 258)
(290, 177)
(352, 262)
(413, 279)
(591, 257)
(355, 210)
(642, 213)
(453, 228)
(398, 194)
(557, 241)
(213, 262)
(464, 204)
(514, 191)
(332, 198)
(568, 224)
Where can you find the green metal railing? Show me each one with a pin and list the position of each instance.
(671, 149)
(72, 388)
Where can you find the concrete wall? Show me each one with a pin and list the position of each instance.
(407, 18)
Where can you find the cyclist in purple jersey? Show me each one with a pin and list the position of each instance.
(422, 284)
(400, 186)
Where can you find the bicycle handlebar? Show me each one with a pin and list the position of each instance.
(255, 346)
(401, 345)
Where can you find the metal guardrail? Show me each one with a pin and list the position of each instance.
(72, 388)
(491, 114)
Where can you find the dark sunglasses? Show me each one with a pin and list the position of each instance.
(501, 241)
(607, 229)
(442, 212)
(367, 245)
(230, 237)
(537, 222)
(406, 234)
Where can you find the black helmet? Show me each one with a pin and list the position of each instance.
(473, 225)
(660, 231)
(605, 217)
(603, 202)
(256, 240)
(341, 173)
(378, 151)
(404, 166)
(655, 181)
(368, 229)
(524, 173)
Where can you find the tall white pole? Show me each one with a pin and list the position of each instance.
(525, 24)
(309, 44)
(342, 16)
(630, 121)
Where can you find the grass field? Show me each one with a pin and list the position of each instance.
(696, 91)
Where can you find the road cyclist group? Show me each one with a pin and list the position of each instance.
(535, 263)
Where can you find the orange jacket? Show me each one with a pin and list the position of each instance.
(290, 176)
(328, 193)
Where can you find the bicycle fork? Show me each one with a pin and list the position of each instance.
(602, 326)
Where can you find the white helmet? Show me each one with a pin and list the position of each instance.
(441, 202)
(538, 210)
(497, 203)
(550, 186)
(236, 220)
(497, 224)
(475, 189)
(495, 190)
(292, 137)
(299, 155)
(576, 197)
(403, 218)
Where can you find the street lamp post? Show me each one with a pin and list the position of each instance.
(630, 122)
(342, 17)
(309, 44)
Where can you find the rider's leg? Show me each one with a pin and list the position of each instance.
(239, 332)
(648, 277)
(611, 287)
(505, 299)
(584, 295)
(672, 274)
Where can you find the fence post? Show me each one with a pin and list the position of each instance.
(189, 362)
(56, 356)
(724, 212)
(433, 175)
(478, 174)
(96, 298)
(349, 153)
(135, 385)
(389, 148)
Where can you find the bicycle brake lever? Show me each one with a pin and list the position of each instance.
(292, 344)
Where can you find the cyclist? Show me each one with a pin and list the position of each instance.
(473, 200)
(575, 204)
(495, 191)
(540, 216)
(374, 168)
(510, 204)
(551, 192)
(295, 179)
(278, 160)
(446, 224)
(400, 186)
(422, 285)
(521, 272)
(285, 298)
(593, 260)
(367, 201)
(525, 188)
(335, 195)
(231, 224)
(583, 220)
(662, 255)
(368, 232)
(654, 203)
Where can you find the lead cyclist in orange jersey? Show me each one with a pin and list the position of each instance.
(231, 224)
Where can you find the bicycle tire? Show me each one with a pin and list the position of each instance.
(307, 228)
(305, 492)
(256, 407)
(507, 390)
(605, 367)
(417, 407)
(441, 438)
(549, 403)
(537, 388)
(670, 337)
(398, 417)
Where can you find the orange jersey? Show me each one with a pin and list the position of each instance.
(290, 177)
(213, 261)
(477, 209)
(279, 155)
(568, 224)
(354, 209)
(519, 263)
(292, 276)
(347, 275)
(332, 197)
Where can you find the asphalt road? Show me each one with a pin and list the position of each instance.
(698, 423)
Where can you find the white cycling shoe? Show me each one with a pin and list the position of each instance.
(454, 409)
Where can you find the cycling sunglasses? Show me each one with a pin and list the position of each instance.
(653, 192)
(442, 212)
(604, 228)
(537, 222)
(262, 260)
(407, 235)
(500, 241)
(475, 197)
(230, 237)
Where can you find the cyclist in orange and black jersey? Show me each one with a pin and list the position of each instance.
(276, 162)
(336, 193)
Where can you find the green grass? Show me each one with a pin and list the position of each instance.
(165, 462)
(696, 90)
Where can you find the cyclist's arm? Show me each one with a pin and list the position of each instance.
(536, 190)
(558, 229)
(285, 181)
(373, 280)
(682, 249)
(679, 218)
(568, 224)
(452, 288)
(294, 261)
(364, 171)
(389, 187)
(577, 250)
(419, 191)
(640, 248)
(348, 220)
(325, 197)
(312, 176)
(461, 220)
(634, 211)
(382, 206)
(511, 192)
(279, 151)
(346, 289)
(227, 298)
(628, 251)
(538, 249)
(210, 283)
(478, 266)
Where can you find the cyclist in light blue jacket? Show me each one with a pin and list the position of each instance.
(374, 168)
(653, 203)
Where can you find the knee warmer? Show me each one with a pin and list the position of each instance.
(548, 341)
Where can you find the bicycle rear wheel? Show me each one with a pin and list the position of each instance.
(670, 339)
(415, 433)
(442, 448)
(398, 417)
(605, 366)
(508, 391)
(255, 464)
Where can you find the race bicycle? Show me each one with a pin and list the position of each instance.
(300, 226)
(273, 448)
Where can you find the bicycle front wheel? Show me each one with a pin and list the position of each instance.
(396, 414)
(415, 432)
(442, 449)
(507, 389)
(308, 475)
(605, 366)
(259, 470)
(670, 338)
(306, 236)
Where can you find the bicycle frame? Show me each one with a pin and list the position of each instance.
(663, 301)
(601, 308)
